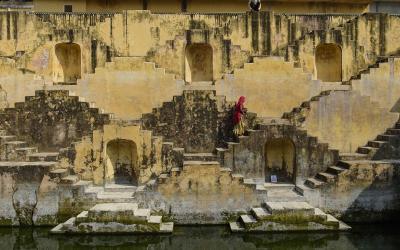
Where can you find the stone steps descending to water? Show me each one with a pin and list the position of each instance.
(125, 218)
(347, 171)
(200, 157)
(286, 216)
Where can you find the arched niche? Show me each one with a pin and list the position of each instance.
(122, 162)
(328, 62)
(68, 66)
(198, 63)
(280, 160)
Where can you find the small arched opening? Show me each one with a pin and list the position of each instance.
(280, 160)
(69, 63)
(122, 162)
(328, 62)
(198, 63)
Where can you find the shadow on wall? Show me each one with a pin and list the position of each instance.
(68, 68)
(280, 158)
(199, 63)
(328, 62)
(122, 162)
(372, 193)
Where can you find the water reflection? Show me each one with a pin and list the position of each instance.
(362, 237)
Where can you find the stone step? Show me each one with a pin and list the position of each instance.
(163, 178)
(8, 150)
(24, 152)
(199, 157)
(387, 138)
(3, 132)
(44, 156)
(59, 173)
(112, 197)
(143, 214)
(318, 212)
(279, 186)
(113, 212)
(376, 144)
(175, 172)
(200, 163)
(326, 177)
(314, 183)
(276, 195)
(247, 219)
(48, 166)
(352, 156)
(332, 220)
(13, 145)
(119, 188)
(238, 177)
(70, 179)
(69, 224)
(236, 227)
(6, 138)
(289, 207)
(82, 217)
(58, 229)
(93, 189)
(167, 227)
(335, 170)
(260, 213)
(393, 131)
(155, 219)
(364, 150)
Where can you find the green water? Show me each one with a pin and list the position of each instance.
(374, 237)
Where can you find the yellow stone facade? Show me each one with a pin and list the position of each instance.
(323, 72)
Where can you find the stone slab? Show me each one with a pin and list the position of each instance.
(142, 214)
(260, 213)
(248, 219)
(155, 219)
(120, 188)
(236, 227)
(82, 217)
(167, 227)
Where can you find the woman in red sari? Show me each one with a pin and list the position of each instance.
(238, 122)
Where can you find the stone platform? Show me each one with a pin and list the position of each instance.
(286, 216)
(115, 218)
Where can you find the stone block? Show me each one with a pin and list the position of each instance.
(115, 212)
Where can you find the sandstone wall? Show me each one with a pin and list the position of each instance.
(382, 85)
(52, 119)
(346, 120)
(92, 161)
(28, 197)
(205, 194)
(271, 86)
(127, 87)
(249, 157)
(368, 191)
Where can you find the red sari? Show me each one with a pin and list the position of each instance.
(238, 117)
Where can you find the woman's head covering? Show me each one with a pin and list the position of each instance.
(241, 101)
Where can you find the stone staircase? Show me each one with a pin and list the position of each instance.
(18, 148)
(125, 63)
(115, 218)
(15, 153)
(49, 105)
(298, 115)
(286, 216)
(226, 154)
(376, 152)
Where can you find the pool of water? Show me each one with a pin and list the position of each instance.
(374, 237)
